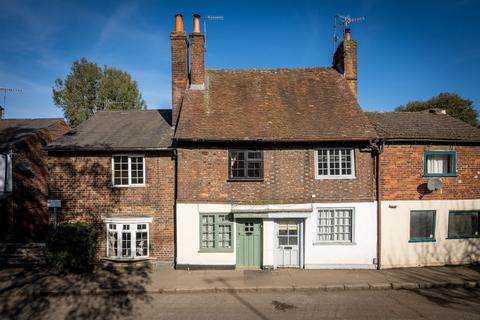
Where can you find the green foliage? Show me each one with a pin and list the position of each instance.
(452, 103)
(88, 88)
(71, 247)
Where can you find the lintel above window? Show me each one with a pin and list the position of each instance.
(335, 163)
(244, 164)
(128, 171)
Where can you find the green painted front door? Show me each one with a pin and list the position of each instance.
(249, 242)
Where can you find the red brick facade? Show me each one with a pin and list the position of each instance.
(84, 184)
(289, 177)
(402, 175)
(179, 70)
(24, 215)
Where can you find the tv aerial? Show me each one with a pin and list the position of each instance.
(9, 90)
(209, 18)
(343, 21)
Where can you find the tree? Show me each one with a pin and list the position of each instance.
(452, 103)
(88, 88)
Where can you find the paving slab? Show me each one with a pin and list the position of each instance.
(164, 280)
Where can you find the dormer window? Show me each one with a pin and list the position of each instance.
(128, 171)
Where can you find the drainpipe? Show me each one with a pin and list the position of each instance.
(377, 147)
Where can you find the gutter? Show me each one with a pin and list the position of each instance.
(105, 149)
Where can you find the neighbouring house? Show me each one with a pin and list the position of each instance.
(275, 167)
(430, 189)
(24, 214)
(117, 171)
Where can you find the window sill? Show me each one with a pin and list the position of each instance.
(463, 238)
(452, 175)
(245, 180)
(335, 177)
(129, 186)
(421, 240)
(215, 250)
(334, 243)
(136, 259)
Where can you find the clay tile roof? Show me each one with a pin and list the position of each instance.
(120, 130)
(308, 104)
(422, 126)
(13, 130)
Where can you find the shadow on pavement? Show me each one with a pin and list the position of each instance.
(22, 293)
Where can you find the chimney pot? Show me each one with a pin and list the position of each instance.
(347, 34)
(196, 23)
(178, 23)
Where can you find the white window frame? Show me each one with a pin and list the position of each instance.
(130, 184)
(340, 242)
(6, 173)
(340, 176)
(132, 222)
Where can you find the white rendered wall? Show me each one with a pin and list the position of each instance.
(188, 236)
(268, 242)
(398, 252)
(358, 254)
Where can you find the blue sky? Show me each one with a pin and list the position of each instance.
(407, 49)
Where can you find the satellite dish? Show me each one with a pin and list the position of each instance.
(24, 166)
(434, 184)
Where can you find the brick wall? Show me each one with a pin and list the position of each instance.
(402, 173)
(24, 215)
(84, 184)
(289, 177)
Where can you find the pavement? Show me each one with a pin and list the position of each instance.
(145, 279)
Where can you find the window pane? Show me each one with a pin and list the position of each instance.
(112, 243)
(120, 170)
(438, 163)
(141, 243)
(246, 164)
(137, 170)
(225, 236)
(208, 231)
(126, 244)
(463, 224)
(422, 225)
(335, 225)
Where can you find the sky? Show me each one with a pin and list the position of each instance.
(407, 50)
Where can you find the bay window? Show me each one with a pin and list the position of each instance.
(127, 238)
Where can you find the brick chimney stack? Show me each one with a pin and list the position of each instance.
(179, 44)
(197, 56)
(345, 61)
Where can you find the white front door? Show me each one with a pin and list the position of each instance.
(287, 251)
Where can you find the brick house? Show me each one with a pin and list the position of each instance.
(275, 167)
(117, 170)
(23, 177)
(430, 189)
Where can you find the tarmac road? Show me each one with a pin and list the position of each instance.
(391, 304)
